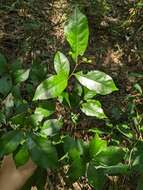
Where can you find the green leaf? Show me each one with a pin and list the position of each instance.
(5, 85)
(96, 146)
(51, 127)
(97, 81)
(61, 64)
(51, 87)
(88, 94)
(16, 65)
(21, 156)
(96, 177)
(19, 119)
(42, 152)
(9, 101)
(9, 142)
(125, 130)
(77, 169)
(140, 183)
(45, 109)
(77, 33)
(2, 118)
(21, 75)
(38, 179)
(138, 88)
(73, 146)
(43, 112)
(118, 169)
(64, 97)
(138, 161)
(3, 63)
(93, 108)
(112, 155)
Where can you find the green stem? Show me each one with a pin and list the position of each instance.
(74, 70)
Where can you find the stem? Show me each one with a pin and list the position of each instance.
(77, 63)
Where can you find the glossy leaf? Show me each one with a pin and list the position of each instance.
(61, 64)
(45, 109)
(64, 97)
(21, 156)
(88, 94)
(93, 108)
(9, 142)
(34, 120)
(51, 87)
(96, 146)
(42, 152)
(77, 33)
(97, 81)
(51, 127)
(21, 75)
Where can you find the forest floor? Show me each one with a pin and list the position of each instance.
(29, 30)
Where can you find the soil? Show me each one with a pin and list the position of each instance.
(28, 30)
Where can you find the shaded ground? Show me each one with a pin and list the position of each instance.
(31, 29)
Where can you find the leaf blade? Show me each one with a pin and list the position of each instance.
(51, 87)
(77, 33)
(61, 64)
(10, 141)
(42, 152)
(93, 108)
(97, 81)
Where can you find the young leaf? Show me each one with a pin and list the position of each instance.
(96, 146)
(22, 156)
(3, 63)
(10, 141)
(51, 87)
(77, 33)
(97, 81)
(21, 75)
(61, 64)
(93, 108)
(42, 152)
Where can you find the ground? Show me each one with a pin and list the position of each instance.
(32, 29)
